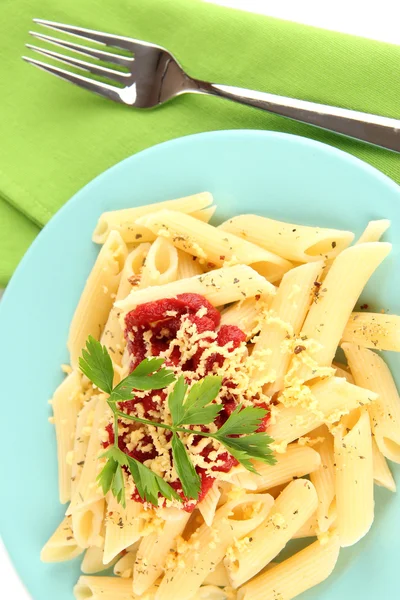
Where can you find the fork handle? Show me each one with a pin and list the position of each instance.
(381, 131)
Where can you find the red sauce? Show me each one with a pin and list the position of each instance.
(159, 322)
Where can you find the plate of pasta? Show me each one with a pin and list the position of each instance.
(205, 340)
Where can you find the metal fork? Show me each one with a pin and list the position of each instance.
(152, 76)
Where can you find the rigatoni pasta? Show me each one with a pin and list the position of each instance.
(254, 311)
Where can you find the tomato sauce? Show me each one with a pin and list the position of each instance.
(150, 329)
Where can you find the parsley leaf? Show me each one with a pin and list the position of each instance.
(255, 445)
(96, 364)
(118, 486)
(243, 420)
(111, 476)
(149, 484)
(194, 410)
(176, 399)
(190, 480)
(146, 376)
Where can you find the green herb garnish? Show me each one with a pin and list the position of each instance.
(193, 408)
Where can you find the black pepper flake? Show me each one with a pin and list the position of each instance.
(236, 280)
(138, 236)
(333, 244)
(70, 537)
(364, 306)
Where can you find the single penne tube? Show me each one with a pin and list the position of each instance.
(81, 441)
(153, 551)
(123, 526)
(323, 479)
(374, 231)
(87, 491)
(124, 565)
(328, 401)
(293, 507)
(343, 371)
(161, 264)
(98, 295)
(66, 403)
(382, 474)
(124, 220)
(113, 336)
(205, 214)
(218, 577)
(297, 574)
(104, 588)
(332, 308)
(221, 286)
(212, 246)
(288, 310)
(370, 370)
(87, 523)
(308, 529)
(296, 462)
(373, 330)
(208, 545)
(62, 545)
(247, 315)
(188, 265)
(354, 479)
(294, 242)
(208, 505)
(93, 561)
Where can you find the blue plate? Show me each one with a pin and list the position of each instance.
(278, 175)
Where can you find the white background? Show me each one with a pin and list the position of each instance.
(374, 19)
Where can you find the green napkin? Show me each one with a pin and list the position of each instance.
(57, 137)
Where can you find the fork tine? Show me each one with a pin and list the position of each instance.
(82, 64)
(98, 87)
(117, 59)
(106, 39)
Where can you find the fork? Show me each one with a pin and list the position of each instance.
(150, 76)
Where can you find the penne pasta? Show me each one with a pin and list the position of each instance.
(153, 551)
(93, 561)
(161, 264)
(212, 246)
(123, 526)
(205, 214)
(331, 308)
(218, 577)
(374, 231)
(97, 297)
(208, 505)
(66, 403)
(370, 370)
(382, 474)
(103, 588)
(354, 478)
(288, 311)
(124, 221)
(81, 441)
(113, 336)
(233, 520)
(62, 545)
(296, 462)
(343, 371)
(124, 565)
(188, 266)
(221, 286)
(297, 574)
(87, 523)
(323, 479)
(248, 314)
(87, 491)
(293, 507)
(329, 400)
(373, 330)
(294, 242)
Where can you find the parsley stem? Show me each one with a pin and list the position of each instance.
(115, 429)
(162, 425)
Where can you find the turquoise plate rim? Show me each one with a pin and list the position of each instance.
(39, 291)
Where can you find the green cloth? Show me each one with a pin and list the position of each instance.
(57, 137)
